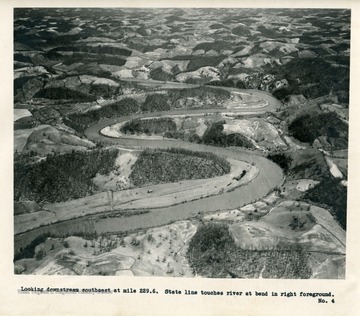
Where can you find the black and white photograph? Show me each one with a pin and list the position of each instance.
(181, 142)
(179, 158)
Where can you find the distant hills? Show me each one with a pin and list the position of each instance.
(186, 45)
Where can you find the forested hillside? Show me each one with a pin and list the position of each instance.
(62, 177)
(173, 165)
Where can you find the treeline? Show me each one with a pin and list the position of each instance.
(173, 165)
(330, 194)
(216, 45)
(213, 253)
(25, 157)
(314, 167)
(215, 136)
(283, 160)
(231, 83)
(313, 78)
(154, 102)
(97, 50)
(81, 121)
(175, 98)
(188, 137)
(307, 128)
(310, 77)
(83, 93)
(284, 94)
(104, 90)
(201, 92)
(86, 58)
(62, 177)
(201, 154)
(210, 247)
(160, 74)
(29, 250)
(149, 126)
(197, 61)
(64, 93)
(21, 81)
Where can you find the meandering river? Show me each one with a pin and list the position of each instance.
(269, 176)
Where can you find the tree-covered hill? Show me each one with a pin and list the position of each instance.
(62, 177)
(307, 128)
(173, 165)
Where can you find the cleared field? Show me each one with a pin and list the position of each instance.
(252, 100)
(245, 100)
(160, 251)
(327, 266)
(292, 223)
(342, 164)
(118, 179)
(334, 170)
(20, 138)
(19, 113)
(46, 139)
(326, 220)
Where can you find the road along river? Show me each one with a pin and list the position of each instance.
(269, 176)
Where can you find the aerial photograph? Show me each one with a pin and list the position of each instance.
(181, 142)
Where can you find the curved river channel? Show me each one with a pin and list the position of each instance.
(269, 176)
